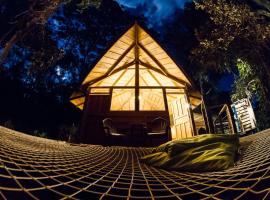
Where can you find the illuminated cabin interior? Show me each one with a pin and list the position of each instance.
(135, 82)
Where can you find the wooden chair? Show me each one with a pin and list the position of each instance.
(159, 129)
(112, 133)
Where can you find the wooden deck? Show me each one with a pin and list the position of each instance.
(36, 168)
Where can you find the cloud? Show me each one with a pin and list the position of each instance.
(155, 11)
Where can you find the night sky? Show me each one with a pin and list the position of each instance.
(155, 12)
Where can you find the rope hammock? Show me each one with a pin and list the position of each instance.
(38, 168)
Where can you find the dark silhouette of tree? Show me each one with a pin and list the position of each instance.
(35, 14)
(50, 61)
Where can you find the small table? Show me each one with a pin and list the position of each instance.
(137, 134)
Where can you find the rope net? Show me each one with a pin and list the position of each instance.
(37, 168)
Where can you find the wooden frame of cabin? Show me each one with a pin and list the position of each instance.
(134, 82)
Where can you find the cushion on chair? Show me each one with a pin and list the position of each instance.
(108, 123)
(116, 134)
(157, 133)
(158, 125)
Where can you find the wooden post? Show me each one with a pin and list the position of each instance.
(137, 92)
(165, 99)
(231, 119)
(221, 125)
(205, 117)
(208, 116)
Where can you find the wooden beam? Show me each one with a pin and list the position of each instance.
(110, 96)
(141, 87)
(144, 81)
(119, 77)
(129, 81)
(229, 113)
(137, 101)
(154, 77)
(158, 63)
(77, 97)
(162, 73)
(120, 58)
(165, 99)
(125, 66)
(113, 66)
(205, 116)
(148, 66)
(120, 93)
(153, 58)
(79, 104)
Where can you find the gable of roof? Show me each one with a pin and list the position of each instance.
(122, 54)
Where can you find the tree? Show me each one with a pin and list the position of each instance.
(234, 31)
(248, 84)
(35, 14)
(262, 7)
(43, 93)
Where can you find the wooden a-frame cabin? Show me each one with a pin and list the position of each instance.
(137, 81)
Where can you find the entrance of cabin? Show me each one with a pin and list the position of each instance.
(181, 119)
(133, 116)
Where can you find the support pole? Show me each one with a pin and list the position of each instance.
(137, 103)
(207, 114)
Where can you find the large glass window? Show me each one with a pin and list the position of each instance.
(122, 78)
(151, 100)
(123, 100)
(173, 94)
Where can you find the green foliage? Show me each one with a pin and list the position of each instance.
(264, 7)
(248, 84)
(234, 30)
(84, 4)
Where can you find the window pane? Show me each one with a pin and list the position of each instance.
(151, 99)
(123, 99)
(124, 77)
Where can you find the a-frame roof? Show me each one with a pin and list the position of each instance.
(117, 67)
(121, 56)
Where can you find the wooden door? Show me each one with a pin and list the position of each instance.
(181, 121)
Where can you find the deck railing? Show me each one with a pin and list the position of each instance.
(224, 122)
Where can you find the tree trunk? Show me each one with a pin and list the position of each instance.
(36, 17)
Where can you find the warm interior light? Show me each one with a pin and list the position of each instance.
(188, 106)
